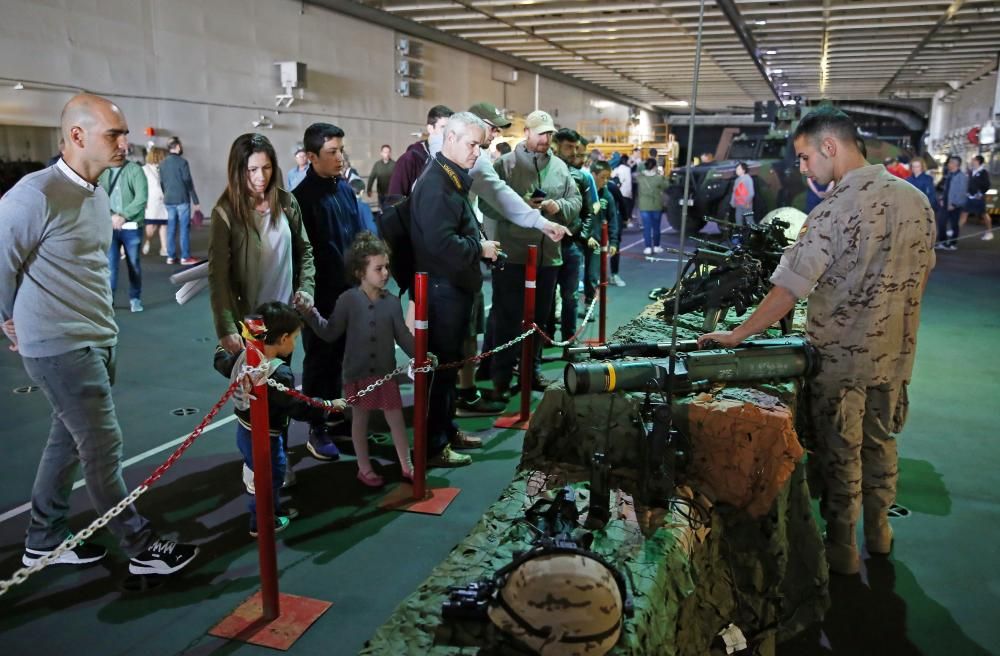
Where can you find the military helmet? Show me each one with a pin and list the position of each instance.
(561, 602)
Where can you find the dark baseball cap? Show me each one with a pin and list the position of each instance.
(491, 114)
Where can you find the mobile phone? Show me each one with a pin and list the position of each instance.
(538, 193)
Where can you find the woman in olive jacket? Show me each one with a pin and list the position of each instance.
(259, 251)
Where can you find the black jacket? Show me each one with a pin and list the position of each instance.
(443, 228)
(280, 406)
(330, 216)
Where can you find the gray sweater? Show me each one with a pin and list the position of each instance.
(54, 241)
(373, 329)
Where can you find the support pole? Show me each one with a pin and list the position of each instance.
(263, 485)
(520, 420)
(603, 310)
(527, 323)
(420, 387)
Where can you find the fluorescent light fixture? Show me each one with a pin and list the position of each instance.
(770, 52)
(784, 84)
(777, 71)
(671, 103)
(760, 21)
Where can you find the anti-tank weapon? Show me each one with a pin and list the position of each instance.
(779, 358)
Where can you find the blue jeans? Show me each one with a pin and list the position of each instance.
(567, 278)
(651, 228)
(179, 216)
(130, 240)
(278, 464)
(84, 432)
(449, 310)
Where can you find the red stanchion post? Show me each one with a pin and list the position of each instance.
(261, 438)
(527, 322)
(420, 386)
(603, 310)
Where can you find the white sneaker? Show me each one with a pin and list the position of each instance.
(647, 251)
(657, 249)
(617, 281)
(135, 305)
(987, 236)
(248, 479)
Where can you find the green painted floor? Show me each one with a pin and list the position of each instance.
(933, 596)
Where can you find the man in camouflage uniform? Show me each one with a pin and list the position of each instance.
(862, 260)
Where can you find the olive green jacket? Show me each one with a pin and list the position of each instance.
(520, 170)
(651, 188)
(234, 258)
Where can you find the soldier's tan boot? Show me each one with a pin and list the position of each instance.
(878, 534)
(841, 548)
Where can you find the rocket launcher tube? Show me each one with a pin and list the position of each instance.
(783, 358)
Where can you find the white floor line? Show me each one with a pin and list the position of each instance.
(14, 512)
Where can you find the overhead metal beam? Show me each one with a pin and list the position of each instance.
(949, 13)
(420, 31)
(732, 14)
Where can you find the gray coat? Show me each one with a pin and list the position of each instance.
(373, 329)
(958, 190)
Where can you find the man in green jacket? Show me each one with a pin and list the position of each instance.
(544, 181)
(381, 174)
(127, 189)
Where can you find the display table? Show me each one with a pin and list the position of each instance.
(757, 562)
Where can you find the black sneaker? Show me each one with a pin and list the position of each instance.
(83, 554)
(163, 557)
(477, 406)
(281, 522)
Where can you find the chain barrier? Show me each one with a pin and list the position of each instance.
(73, 541)
(579, 331)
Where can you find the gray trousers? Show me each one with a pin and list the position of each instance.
(84, 432)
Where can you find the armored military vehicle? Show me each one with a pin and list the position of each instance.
(771, 162)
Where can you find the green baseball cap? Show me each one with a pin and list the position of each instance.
(491, 114)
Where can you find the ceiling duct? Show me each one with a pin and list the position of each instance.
(907, 118)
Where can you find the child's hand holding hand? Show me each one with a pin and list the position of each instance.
(303, 302)
(338, 405)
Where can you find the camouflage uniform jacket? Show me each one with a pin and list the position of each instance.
(861, 259)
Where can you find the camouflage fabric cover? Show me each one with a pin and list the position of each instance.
(743, 448)
(689, 578)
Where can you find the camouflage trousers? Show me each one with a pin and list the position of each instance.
(853, 451)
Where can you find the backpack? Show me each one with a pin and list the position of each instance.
(394, 229)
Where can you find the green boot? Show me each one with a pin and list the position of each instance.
(841, 550)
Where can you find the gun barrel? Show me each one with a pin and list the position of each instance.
(781, 358)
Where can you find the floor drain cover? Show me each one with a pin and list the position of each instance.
(203, 340)
(896, 511)
(26, 389)
(184, 412)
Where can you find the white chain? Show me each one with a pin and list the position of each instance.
(586, 320)
(72, 542)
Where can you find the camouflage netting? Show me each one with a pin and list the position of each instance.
(759, 563)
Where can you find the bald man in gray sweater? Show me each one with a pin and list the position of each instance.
(55, 305)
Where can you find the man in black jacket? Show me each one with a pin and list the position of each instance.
(331, 219)
(447, 245)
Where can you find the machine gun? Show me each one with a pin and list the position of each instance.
(787, 357)
(714, 281)
(764, 241)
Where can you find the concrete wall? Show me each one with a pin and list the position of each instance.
(204, 70)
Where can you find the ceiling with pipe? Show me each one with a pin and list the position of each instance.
(752, 50)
